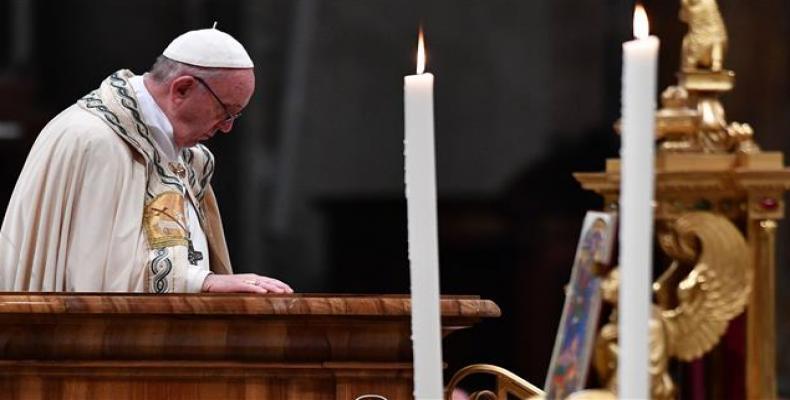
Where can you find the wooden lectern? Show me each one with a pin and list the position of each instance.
(135, 346)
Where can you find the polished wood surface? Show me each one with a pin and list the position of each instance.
(130, 346)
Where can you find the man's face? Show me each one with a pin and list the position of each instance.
(199, 113)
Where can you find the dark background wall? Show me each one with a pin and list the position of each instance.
(311, 179)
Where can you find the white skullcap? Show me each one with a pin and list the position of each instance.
(208, 48)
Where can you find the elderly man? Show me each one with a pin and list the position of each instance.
(115, 193)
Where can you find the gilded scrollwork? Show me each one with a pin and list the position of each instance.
(507, 383)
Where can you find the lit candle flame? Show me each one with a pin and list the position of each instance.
(641, 24)
(420, 54)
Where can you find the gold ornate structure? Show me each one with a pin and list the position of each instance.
(707, 284)
(704, 163)
(745, 188)
(718, 198)
(692, 118)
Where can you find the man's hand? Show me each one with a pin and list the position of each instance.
(251, 283)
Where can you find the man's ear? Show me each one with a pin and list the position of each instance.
(181, 87)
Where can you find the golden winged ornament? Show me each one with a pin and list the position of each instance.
(715, 291)
(707, 284)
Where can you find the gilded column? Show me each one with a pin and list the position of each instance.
(761, 325)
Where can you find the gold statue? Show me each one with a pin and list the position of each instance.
(705, 43)
(606, 349)
(692, 118)
(707, 285)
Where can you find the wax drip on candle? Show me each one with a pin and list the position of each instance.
(641, 24)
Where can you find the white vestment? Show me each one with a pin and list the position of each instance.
(80, 215)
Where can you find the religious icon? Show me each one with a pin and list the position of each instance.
(576, 334)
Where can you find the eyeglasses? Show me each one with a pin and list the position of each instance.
(228, 116)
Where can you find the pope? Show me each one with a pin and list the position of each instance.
(115, 195)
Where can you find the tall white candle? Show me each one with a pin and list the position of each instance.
(423, 235)
(636, 204)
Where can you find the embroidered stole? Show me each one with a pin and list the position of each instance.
(165, 215)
